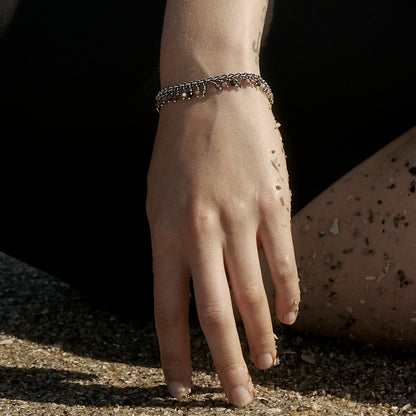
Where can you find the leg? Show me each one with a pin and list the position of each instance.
(356, 245)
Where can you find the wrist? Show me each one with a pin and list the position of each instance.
(199, 88)
(196, 65)
(208, 38)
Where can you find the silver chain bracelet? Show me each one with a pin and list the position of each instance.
(198, 89)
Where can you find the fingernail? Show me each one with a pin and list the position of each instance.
(290, 318)
(178, 389)
(265, 361)
(240, 396)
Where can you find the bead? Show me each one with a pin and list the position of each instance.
(187, 90)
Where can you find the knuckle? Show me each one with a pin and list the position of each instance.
(286, 270)
(289, 301)
(231, 369)
(250, 297)
(233, 372)
(202, 219)
(266, 340)
(273, 204)
(212, 315)
(236, 211)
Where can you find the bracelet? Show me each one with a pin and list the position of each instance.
(188, 90)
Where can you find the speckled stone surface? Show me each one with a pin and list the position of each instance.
(60, 356)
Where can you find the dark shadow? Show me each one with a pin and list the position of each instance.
(37, 307)
(78, 389)
(42, 309)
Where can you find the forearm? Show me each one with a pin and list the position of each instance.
(203, 38)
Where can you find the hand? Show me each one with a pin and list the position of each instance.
(217, 191)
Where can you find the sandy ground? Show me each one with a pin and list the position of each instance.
(60, 356)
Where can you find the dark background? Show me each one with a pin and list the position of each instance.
(77, 83)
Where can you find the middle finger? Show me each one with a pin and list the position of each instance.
(217, 321)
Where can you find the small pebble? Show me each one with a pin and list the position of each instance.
(370, 278)
(275, 163)
(328, 258)
(334, 229)
(307, 358)
(314, 407)
(76, 360)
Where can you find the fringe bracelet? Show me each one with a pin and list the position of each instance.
(198, 89)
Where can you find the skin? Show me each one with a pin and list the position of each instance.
(217, 191)
(358, 279)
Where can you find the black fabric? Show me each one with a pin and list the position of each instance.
(77, 122)
(343, 76)
(78, 81)
(7, 9)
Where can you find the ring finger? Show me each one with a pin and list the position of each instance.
(243, 266)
